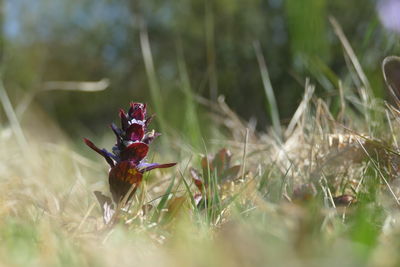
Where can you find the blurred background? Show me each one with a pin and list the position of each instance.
(168, 53)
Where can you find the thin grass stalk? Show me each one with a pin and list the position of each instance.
(296, 118)
(13, 119)
(269, 92)
(163, 201)
(246, 140)
(350, 52)
(155, 91)
(365, 91)
(391, 130)
(192, 123)
(340, 116)
(210, 49)
(380, 173)
(191, 196)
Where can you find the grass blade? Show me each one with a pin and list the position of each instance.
(12, 118)
(163, 201)
(269, 92)
(155, 90)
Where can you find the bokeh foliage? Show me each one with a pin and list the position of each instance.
(206, 46)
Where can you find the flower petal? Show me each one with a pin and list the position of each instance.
(221, 160)
(117, 131)
(137, 111)
(135, 152)
(118, 134)
(122, 177)
(145, 167)
(207, 167)
(150, 136)
(196, 177)
(124, 119)
(135, 132)
(103, 152)
(148, 120)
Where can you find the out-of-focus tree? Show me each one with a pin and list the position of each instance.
(93, 39)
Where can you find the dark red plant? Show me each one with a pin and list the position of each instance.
(218, 166)
(128, 157)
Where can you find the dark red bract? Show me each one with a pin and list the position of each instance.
(127, 160)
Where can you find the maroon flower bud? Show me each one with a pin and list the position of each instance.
(135, 132)
(129, 152)
(137, 111)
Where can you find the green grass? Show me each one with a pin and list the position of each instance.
(283, 210)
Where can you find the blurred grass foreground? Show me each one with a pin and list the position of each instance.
(287, 153)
